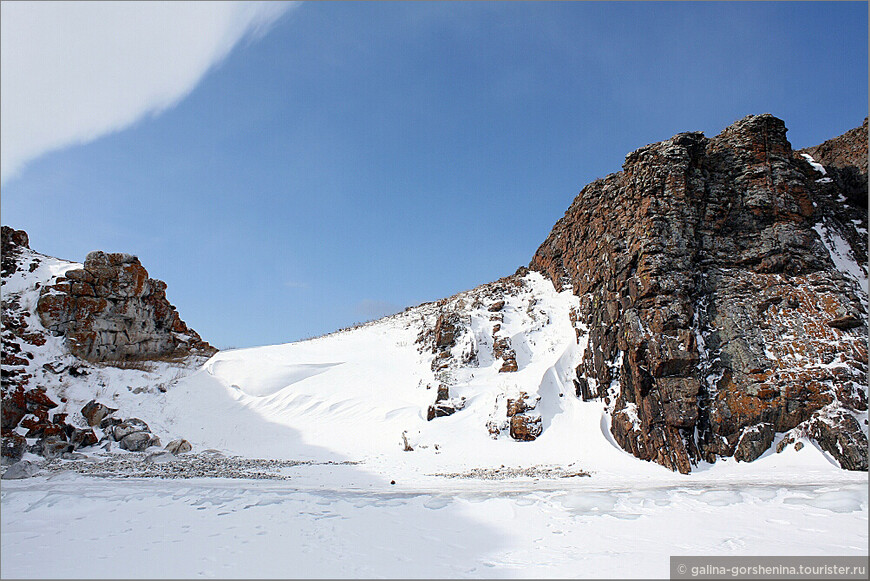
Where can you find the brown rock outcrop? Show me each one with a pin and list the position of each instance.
(715, 309)
(107, 311)
(845, 159)
(111, 310)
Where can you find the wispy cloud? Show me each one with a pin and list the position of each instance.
(74, 71)
(369, 309)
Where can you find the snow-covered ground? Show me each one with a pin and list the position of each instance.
(345, 521)
(467, 500)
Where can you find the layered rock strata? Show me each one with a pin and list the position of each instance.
(723, 283)
(111, 310)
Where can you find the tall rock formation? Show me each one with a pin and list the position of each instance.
(110, 310)
(106, 312)
(723, 283)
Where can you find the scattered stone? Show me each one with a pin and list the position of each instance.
(503, 473)
(200, 465)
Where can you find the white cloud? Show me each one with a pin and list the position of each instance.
(74, 71)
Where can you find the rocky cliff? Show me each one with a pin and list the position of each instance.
(60, 317)
(723, 283)
(110, 310)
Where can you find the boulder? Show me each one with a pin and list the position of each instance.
(525, 428)
(841, 436)
(83, 438)
(52, 446)
(129, 426)
(110, 310)
(20, 470)
(95, 412)
(38, 398)
(72, 456)
(139, 441)
(179, 446)
(12, 414)
(13, 446)
(753, 442)
(440, 410)
(107, 423)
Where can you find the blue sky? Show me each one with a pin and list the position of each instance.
(359, 158)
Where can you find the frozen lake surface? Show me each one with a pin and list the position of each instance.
(341, 521)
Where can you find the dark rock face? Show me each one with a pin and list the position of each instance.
(717, 316)
(111, 310)
(13, 241)
(845, 159)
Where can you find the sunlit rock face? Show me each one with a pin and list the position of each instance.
(723, 283)
(111, 310)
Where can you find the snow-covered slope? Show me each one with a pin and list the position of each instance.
(367, 394)
(363, 394)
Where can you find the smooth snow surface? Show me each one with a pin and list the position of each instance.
(468, 500)
(311, 528)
